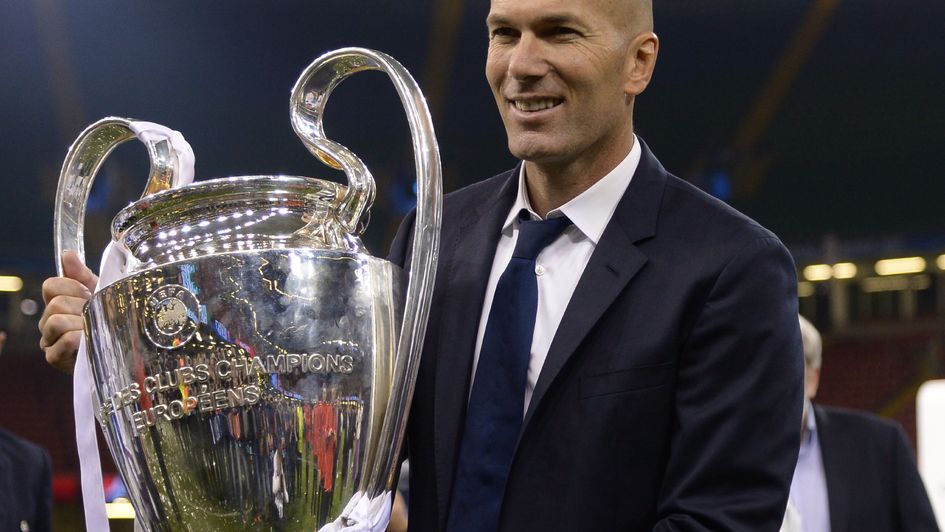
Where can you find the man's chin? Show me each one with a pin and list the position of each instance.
(534, 152)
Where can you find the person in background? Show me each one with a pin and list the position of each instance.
(856, 471)
(25, 482)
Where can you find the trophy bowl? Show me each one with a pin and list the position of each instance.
(252, 363)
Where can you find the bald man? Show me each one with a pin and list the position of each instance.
(856, 471)
(610, 348)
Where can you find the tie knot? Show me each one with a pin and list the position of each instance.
(534, 235)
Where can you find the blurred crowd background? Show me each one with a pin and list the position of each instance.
(823, 120)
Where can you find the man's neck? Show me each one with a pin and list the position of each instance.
(806, 413)
(551, 185)
(804, 426)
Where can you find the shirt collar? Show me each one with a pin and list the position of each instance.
(811, 434)
(591, 210)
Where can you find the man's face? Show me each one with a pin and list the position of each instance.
(559, 72)
(811, 381)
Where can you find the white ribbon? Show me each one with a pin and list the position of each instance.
(112, 269)
(151, 132)
(363, 514)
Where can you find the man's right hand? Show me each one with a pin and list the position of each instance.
(61, 324)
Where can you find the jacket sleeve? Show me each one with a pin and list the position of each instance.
(399, 254)
(43, 517)
(913, 508)
(739, 399)
(400, 247)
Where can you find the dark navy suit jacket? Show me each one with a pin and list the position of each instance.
(671, 395)
(872, 480)
(25, 485)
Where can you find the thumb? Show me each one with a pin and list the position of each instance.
(73, 268)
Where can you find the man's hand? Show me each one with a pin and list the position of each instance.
(61, 324)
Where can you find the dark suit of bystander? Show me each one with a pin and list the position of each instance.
(25, 485)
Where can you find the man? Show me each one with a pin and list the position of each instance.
(855, 471)
(664, 369)
(625, 356)
(25, 482)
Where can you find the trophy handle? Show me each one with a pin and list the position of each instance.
(307, 106)
(82, 162)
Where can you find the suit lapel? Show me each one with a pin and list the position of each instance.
(834, 472)
(474, 238)
(615, 261)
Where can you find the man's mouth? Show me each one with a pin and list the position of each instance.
(536, 104)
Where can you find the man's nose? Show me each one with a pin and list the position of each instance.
(528, 59)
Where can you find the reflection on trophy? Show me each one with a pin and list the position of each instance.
(253, 364)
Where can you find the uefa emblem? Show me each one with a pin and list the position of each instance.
(171, 316)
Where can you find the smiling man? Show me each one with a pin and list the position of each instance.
(564, 76)
(611, 348)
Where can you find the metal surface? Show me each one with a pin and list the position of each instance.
(232, 214)
(265, 407)
(82, 162)
(254, 366)
(307, 104)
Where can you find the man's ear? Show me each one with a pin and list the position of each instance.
(641, 60)
(811, 382)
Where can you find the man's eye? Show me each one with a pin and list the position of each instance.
(564, 31)
(502, 33)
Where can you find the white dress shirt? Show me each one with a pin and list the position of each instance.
(792, 519)
(809, 486)
(559, 266)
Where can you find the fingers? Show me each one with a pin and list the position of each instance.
(62, 304)
(73, 268)
(63, 286)
(60, 340)
(62, 314)
(61, 324)
(61, 354)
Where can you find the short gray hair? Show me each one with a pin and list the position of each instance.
(813, 345)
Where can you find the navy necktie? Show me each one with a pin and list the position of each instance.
(497, 403)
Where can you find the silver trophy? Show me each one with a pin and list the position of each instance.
(254, 364)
